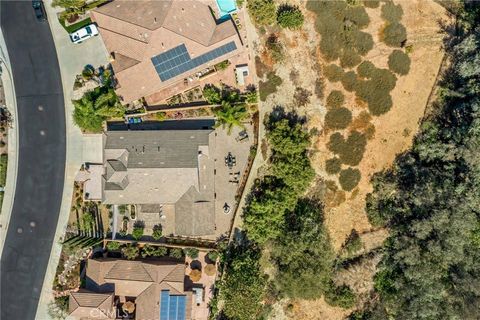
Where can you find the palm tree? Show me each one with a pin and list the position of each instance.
(85, 117)
(229, 116)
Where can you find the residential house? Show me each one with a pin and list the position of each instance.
(155, 44)
(147, 289)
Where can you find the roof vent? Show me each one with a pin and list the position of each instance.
(155, 20)
(183, 9)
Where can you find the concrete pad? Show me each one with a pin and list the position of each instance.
(92, 148)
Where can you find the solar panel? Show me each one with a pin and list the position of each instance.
(176, 61)
(164, 303)
(172, 307)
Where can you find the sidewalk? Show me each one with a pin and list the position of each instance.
(71, 58)
(12, 165)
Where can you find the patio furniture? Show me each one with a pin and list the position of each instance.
(226, 208)
(230, 160)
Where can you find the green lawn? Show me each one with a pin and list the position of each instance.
(3, 175)
(3, 169)
(74, 27)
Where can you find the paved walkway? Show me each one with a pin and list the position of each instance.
(252, 40)
(12, 165)
(71, 58)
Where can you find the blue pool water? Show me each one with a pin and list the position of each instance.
(226, 7)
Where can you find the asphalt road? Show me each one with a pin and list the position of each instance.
(41, 164)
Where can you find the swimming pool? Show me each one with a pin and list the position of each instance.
(226, 7)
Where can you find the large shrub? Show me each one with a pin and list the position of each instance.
(371, 3)
(338, 118)
(366, 69)
(191, 252)
(263, 12)
(349, 81)
(333, 165)
(269, 86)
(137, 232)
(333, 72)
(290, 17)
(350, 150)
(349, 58)
(358, 16)
(349, 178)
(130, 251)
(394, 34)
(335, 99)
(399, 62)
(275, 48)
(392, 12)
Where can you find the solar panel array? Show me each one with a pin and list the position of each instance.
(177, 60)
(172, 307)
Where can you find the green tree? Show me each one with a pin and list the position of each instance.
(303, 255)
(228, 116)
(85, 117)
(242, 287)
(263, 12)
(429, 199)
(290, 17)
(212, 94)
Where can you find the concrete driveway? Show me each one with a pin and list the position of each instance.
(71, 58)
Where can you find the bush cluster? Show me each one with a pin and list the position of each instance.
(349, 178)
(399, 62)
(268, 87)
(391, 12)
(349, 81)
(340, 27)
(373, 4)
(333, 72)
(290, 17)
(333, 165)
(349, 58)
(375, 89)
(394, 34)
(335, 99)
(263, 12)
(350, 150)
(338, 118)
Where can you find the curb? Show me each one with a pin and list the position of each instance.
(12, 164)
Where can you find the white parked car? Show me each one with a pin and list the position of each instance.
(84, 33)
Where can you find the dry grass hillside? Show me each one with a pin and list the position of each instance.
(305, 88)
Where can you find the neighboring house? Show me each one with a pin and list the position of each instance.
(155, 44)
(154, 287)
(166, 175)
(85, 304)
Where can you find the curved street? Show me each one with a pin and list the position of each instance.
(41, 164)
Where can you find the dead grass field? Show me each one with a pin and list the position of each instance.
(393, 131)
